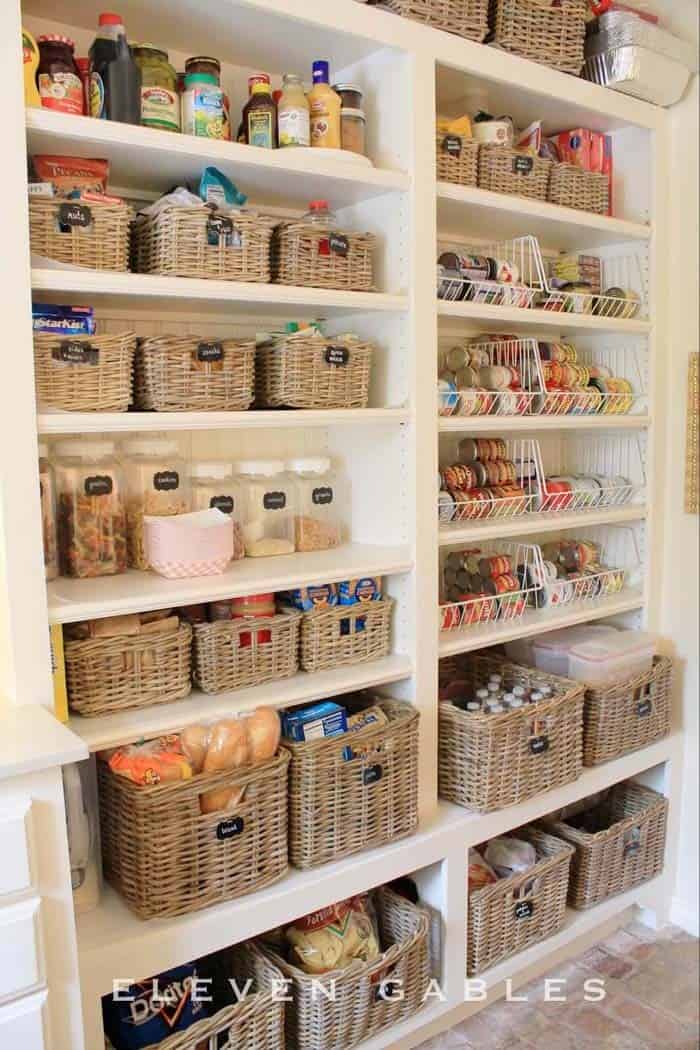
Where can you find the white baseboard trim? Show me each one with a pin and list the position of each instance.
(685, 917)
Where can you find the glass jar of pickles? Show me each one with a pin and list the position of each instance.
(214, 485)
(91, 521)
(156, 484)
(47, 495)
(160, 102)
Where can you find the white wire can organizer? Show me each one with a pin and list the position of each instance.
(488, 584)
(594, 563)
(502, 273)
(589, 473)
(587, 382)
(492, 478)
(607, 285)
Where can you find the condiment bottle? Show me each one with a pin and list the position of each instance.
(473, 708)
(58, 77)
(319, 214)
(260, 119)
(520, 692)
(536, 696)
(203, 112)
(115, 79)
(30, 59)
(293, 113)
(482, 695)
(494, 690)
(324, 105)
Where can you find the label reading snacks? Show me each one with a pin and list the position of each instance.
(523, 165)
(337, 355)
(222, 232)
(73, 352)
(452, 144)
(98, 485)
(322, 496)
(524, 909)
(539, 744)
(166, 480)
(274, 501)
(222, 503)
(70, 215)
(228, 829)
(372, 774)
(210, 351)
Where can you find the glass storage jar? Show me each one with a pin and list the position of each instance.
(319, 496)
(267, 507)
(160, 102)
(157, 484)
(214, 485)
(91, 521)
(47, 495)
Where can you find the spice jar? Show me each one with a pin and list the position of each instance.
(214, 485)
(47, 496)
(317, 522)
(267, 510)
(156, 483)
(350, 95)
(58, 76)
(160, 102)
(352, 130)
(91, 522)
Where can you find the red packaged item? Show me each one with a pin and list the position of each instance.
(608, 168)
(155, 762)
(575, 147)
(71, 173)
(600, 7)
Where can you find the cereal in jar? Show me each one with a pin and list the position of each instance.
(91, 519)
(214, 485)
(267, 507)
(156, 484)
(317, 520)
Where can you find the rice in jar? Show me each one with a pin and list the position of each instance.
(214, 485)
(91, 520)
(156, 484)
(267, 511)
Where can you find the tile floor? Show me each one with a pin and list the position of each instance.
(651, 983)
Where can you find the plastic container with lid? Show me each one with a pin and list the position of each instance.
(350, 95)
(612, 657)
(267, 507)
(156, 484)
(91, 521)
(47, 495)
(160, 102)
(352, 130)
(320, 496)
(551, 651)
(214, 485)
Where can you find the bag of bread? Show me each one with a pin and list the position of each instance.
(332, 938)
(480, 872)
(153, 762)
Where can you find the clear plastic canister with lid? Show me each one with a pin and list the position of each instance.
(214, 485)
(91, 517)
(267, 507)
(156, 483)
(47, 495)
(320, 494)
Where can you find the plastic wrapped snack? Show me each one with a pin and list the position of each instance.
(480, 872)
(332, 938)
(510, 856)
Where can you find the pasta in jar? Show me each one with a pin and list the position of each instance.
(91, 518)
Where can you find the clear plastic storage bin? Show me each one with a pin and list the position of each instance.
(267, 507)
(214, 485)
(319, 496)
(91, 516)
(551, 651)
(47, 495)
(612, 658)
(156, 484)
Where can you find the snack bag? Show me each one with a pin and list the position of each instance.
(155, 762)
(480, 872)
(509, 856)
(154, 1009)
(333, 937)
(67, 174)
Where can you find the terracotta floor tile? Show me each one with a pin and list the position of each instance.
(656, 1026)
(594, 1022)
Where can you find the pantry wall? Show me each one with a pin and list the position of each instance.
(390, 457)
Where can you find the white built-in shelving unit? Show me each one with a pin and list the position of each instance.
(389, 452)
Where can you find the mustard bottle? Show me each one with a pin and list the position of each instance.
(30, 58)
(324, 105)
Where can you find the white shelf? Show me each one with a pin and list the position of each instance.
(537, 320)
(187, 294)
(111, 939)
(135, 591)
(537, 621)
(505, 424)
(527, 524)
(118, 422)
(157, 160)
(33, 740)
(483, 213)
(126, 726)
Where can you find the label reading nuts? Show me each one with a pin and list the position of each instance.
(71, 215)
(222, 503)
(452, 144)
(322, 496)
(98, 485)
(210, 351)
(73, 352)
(337, 355)
(274, 500)
(523, 165)
(166, 480)
(228, 829)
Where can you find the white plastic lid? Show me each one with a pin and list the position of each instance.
(150, 446)
(211, 468)
(563, 641)
(309, 465)
(266, 467)
(43, 450)
(483, 694)
(85, 449)
(611, 647)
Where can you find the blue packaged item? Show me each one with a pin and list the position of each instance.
(366, 589)
(154, 1009)
(62, 320)
(217, 188)
(315, 596)
(315, 721)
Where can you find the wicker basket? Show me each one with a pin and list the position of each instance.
(187, 241)
(115, 674)
(254, 1023)
(467, 18)
(505, 170)
(306, 255)
(359, 803)
(167, 858)
(630, 850)
(488, 762)
(355, 1003)
(627, 716)
(231, 654)
(84, 373)
(308, 371)
(95, 235)
(535, 29)
(514, 913)
(573, 187)
(346, 634)
(456, 159)
(191, 374)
